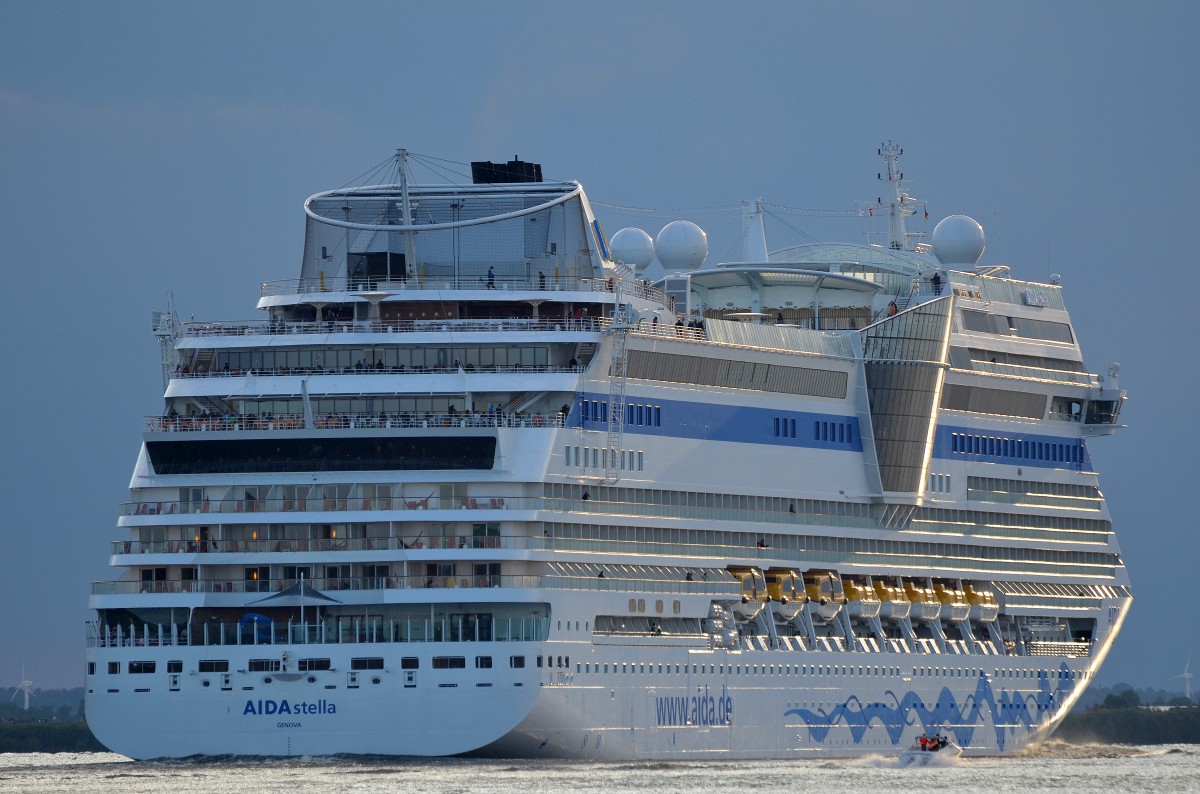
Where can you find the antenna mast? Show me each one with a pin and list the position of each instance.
(410, 251)
(899, 205)
(166, 330)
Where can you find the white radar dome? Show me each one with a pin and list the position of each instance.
(633, 247)
(681, 245)
(958, 240)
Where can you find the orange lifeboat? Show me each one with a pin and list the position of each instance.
(861, 601)
(754, 592)
(954, 601)
(825, 594)
(893, 603)
(984, 606)
(924, 601)
(786, 590)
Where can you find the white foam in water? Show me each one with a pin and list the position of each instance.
(1058, 766)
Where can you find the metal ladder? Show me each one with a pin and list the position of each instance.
(619, 330)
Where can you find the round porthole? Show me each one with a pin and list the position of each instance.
(312, 679)
(204, 683)
(267, 680)
(374, 680)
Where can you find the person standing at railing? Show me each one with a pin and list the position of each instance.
(936, 282)
(541, 280)
(491, 277)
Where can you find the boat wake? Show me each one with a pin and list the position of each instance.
(1056, 748)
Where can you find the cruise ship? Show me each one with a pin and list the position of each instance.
(474, 485)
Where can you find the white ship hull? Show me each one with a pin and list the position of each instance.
(516, 501)
(756, 704)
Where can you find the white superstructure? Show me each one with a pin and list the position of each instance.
(472, 486)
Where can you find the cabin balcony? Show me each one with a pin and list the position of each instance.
(215, 545)
(343, 629)
(324, 289)
(584, 325)
(319, 504)
(333, 585)
(381, 421)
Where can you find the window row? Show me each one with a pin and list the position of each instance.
(886, 554)
(636, 414)
(1018, 448)
(595, 458)
(999, 485)
(316, 664)
(939, 483)
(391, 357)
(833, 432)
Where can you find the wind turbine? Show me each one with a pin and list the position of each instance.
(26, 686)
(1185, 675)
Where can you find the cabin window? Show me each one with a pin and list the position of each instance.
(363, 663)
(307, 665)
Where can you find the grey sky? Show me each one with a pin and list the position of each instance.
(150, 146)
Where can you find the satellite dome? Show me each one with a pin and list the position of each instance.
(958, 240)
(681, 245)
(633, 247)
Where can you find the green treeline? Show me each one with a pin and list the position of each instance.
(48, 737)
(1132, 726)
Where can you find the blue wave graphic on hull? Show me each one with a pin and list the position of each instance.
(1009, 711)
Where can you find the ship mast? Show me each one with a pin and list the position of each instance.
(899, 205)
(410, 251)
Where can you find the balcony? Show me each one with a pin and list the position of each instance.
(335, 630)
(382, 421)
(499, 283)
(456, 326)
(331, 585)
(242, 546)
(323, 504)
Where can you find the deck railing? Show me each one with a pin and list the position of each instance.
(324, 504)
(329, 585)
(337, 286)
(241, 546)
(336, 630)
(457, 326)
(380, 421)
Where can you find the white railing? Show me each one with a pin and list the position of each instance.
(458, 326)
(337, 630)
(381, 421)
(337, 285)
(331, 585)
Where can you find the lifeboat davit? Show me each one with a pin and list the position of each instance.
(984, 606)
(825, 595)
(786, 590)
(754, 592)
(861, 601)
(954, 601)
(924, 601)
(893, 603)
